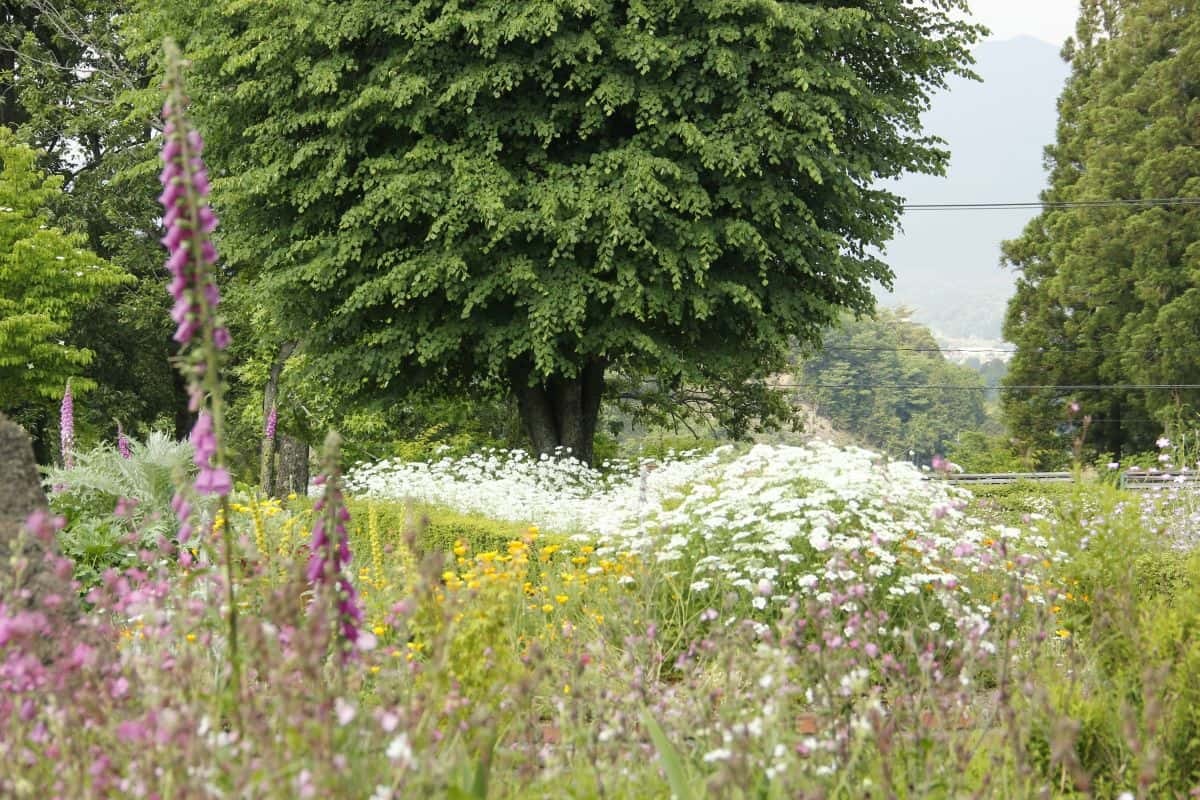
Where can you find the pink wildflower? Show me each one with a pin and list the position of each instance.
(272, 420)
(330, 552)
(123, 443)
(67, 428)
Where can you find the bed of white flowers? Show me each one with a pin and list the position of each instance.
(839, 525)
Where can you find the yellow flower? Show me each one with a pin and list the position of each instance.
(547, 608)
(1063, 633)
(379, 630)
(191, 637)
(561, 598)
(587, 549)
(566, 688)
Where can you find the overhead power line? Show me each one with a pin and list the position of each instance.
(1008, 350)
(916, 350)
(1080, 387)
(1148, 202)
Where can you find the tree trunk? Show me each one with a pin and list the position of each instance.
(562, 412)
(183, 414)
(293, 466)
(270, 447)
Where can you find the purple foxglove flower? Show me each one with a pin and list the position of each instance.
(272, 420)
(189, 223)
(123, 443)
(330, 554)
(211, 479)
(67, 428)
(214, 481)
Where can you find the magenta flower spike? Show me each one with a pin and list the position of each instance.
(330, 556)
(123, 443)
(269, 428)
(66, 428)
(202, 338)
(190, 258)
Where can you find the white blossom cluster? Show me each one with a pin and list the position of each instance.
(557, 494)
(774, 521)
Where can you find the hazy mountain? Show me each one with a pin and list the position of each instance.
(947, 263)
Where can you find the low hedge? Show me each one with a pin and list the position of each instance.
(437, 528)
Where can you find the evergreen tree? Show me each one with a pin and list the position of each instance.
(1111, 294)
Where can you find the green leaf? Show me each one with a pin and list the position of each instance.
(672, 763)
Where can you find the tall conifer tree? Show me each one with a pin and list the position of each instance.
(1111, 294)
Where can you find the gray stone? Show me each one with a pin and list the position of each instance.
(20, 495)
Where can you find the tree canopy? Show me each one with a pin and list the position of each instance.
(1111, 294)
(884, 380)
(541, 193)
(69, 89)
(47, 280)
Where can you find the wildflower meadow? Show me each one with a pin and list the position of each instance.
(758, 621)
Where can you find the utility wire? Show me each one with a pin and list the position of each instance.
(1082, 387)
(1149, 202)
(1012, 351)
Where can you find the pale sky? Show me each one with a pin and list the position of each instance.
(1050, 20)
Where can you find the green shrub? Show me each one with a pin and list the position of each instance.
(436, 529)
(1130, 679)
(975, 451)
(87, 495)
(1010, 502)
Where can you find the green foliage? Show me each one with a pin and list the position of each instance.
(889, 350)
(658, 444)
(89, 493)
(1134, 611)
(976, 451)
(513, 194)
(1014, 502)
(671, 762)
(89, 110)
(48, 279)
(437, 529)
(1110, 295)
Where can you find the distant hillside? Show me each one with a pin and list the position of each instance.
(947, 263)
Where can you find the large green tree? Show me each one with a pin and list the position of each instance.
(48, 280)
(542, 194)
(69, 89)
(1111, 294)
